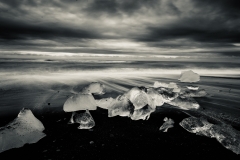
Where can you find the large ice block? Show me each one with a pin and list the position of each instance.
(189, 76)
(26, 128)
(85, 120)
(225, 134)
(154, 98)
(80, 102)
(138, 97)
(121, 106)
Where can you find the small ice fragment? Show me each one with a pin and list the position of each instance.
(176, 90)
(193, 93)
(185, 103)
(138, 97)
(80, 102)
(143, 113)
(105, 103)
(94, 87)
(225, 134)
(167, 124)
(26, 128)
(189, 76)
(120, 106)
(91, 142)
(85, 120)
(172, 85)
(191, 87)
(160, 84)
(165, 119)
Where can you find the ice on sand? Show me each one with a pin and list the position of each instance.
(193, 93)
(167, 94)
(138, 97)
(85, 120)
(143, 113)
(199, 126)
(93, 88)
(26, 128)
(105, 103)
(189, 76)
(225, 134)
(154, 98)
(167, 124)
(121, 106)
(172, 85)
(165, 85)
(185, 103)
(80, 102)
(160, 84)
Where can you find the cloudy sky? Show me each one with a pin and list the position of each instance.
(120, 28)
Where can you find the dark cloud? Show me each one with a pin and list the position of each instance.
(149, 23)
(209, 22)
(196, 29)
(11, 29)
(118, 7)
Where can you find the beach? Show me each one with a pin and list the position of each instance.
(120, 137)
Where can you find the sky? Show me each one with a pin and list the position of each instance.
(121, 29)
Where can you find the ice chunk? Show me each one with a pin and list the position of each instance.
(193, 93)
(94, 87)
(143, 113)
(165, 119)
(177, 90)
(172, 85)
(185, 103)
(189, 76)
(199, 126)
(105, 103)
(85, 120)
(121, 106)
(138, 97)
(26, 128)
(154, 98)
(160, 84)
(167, 124)
(225, 134)
(191, 87)
(167, 94)
(80, 102)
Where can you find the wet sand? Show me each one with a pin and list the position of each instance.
(119, 137)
